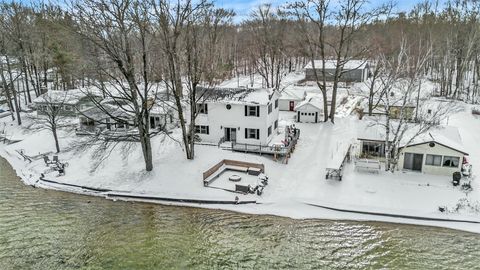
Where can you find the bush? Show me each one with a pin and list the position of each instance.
(476, 111)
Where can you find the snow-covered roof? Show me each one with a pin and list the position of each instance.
(162, 107)
(313, 101)
(105, 111)
(257, 96)
(70, 97)
(370, 131)
(447, 136)
(331, 64)
(292, 94)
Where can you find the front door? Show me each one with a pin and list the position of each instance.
(230, 134)
(291, 105)
(413, 162)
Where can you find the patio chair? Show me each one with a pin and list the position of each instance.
(46, 159)
(55, 159)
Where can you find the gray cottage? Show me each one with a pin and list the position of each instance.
(354, 70)
(69, 102)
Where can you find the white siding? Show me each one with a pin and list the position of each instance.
(436, 150)
(308, 109)
(219, 117)
(285, 104)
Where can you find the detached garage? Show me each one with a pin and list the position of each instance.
(309, 111)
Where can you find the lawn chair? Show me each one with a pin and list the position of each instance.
(47, 160)
(61, 169)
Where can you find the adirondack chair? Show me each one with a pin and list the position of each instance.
(47, 160)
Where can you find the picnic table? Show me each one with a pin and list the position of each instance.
(335, 165)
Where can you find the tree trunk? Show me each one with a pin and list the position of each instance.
(146, 144)
(14, 93)
(55, 137)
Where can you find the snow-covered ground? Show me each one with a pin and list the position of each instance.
(293, 189)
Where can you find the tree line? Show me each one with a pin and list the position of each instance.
(127, 47)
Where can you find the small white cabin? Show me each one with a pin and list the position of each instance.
(241, 115)
(309, 111)
(434, 153)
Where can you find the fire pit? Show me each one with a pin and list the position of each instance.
(235, 178)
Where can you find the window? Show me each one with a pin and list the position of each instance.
(276, 103)
(375, 149)
(275, 125)
(269, 130)
(87, 122)
(202, 108)
(433, 160)
(450, 161)
(202, 129)
(270, 108)
(252, 133)
(252, 111)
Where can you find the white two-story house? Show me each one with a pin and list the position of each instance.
(241, 115)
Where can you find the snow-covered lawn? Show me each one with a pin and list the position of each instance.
(292, 187)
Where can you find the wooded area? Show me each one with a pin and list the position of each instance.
(133, 45)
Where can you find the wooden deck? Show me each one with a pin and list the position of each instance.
(278, 151)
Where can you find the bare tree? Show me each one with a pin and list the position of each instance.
(51, 115)
(121, 32)
(203, 67)
(312, 18)
(400, 82)
(375, 93)
(267, 46)
(175, 20)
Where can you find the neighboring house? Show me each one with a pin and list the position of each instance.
(110, 117)
(69, 102)
(353, 70)
(309, 111)
(290, 98)
(163, 114)
(438, 152)
(242, 115)
(395, 111)
(107, 118)
(3, 99)
(372, 140)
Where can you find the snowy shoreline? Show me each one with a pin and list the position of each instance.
(287, 208)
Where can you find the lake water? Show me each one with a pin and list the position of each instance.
(42, 229)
